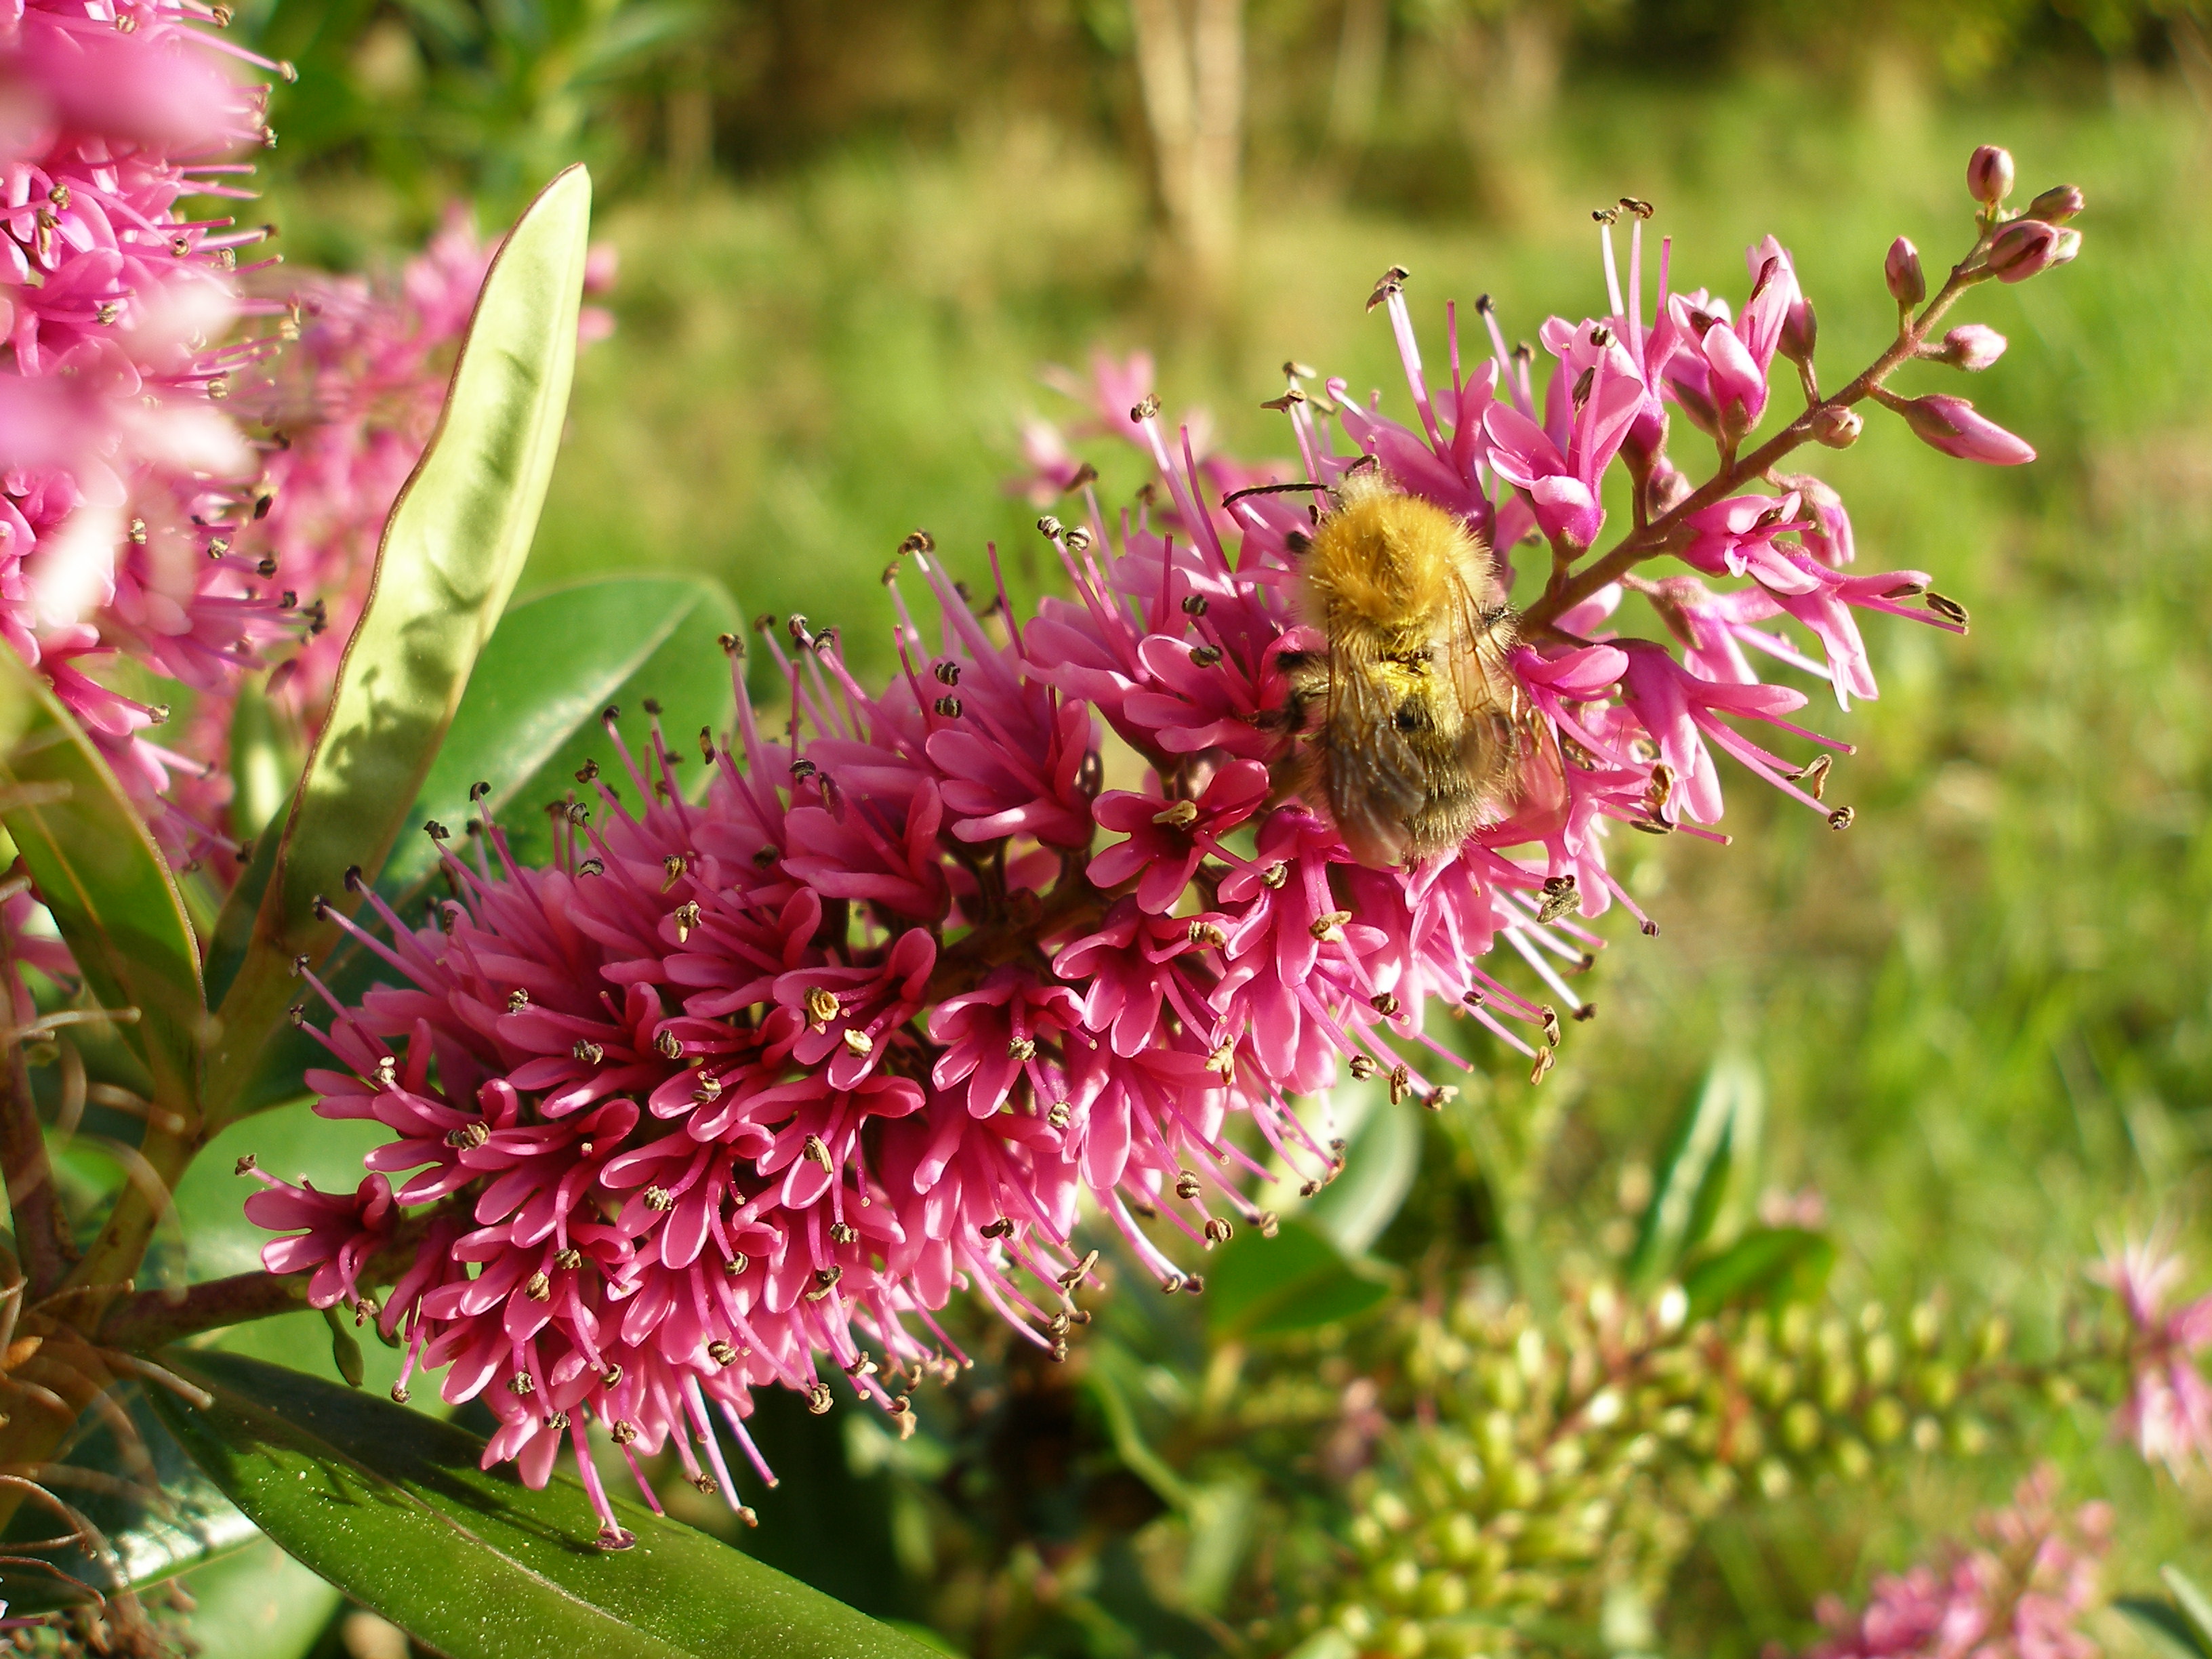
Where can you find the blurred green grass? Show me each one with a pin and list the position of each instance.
(1981, 1013)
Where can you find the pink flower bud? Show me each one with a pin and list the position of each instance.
(2028, 247)
(1951, 425)
(1838, 428)
(1989, 175)
(2057, 204)
(1901, 270)
(1801, 331)
(1973, 347)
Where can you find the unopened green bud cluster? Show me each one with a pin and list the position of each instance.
(1544, 1466)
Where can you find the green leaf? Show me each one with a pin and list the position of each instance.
(1709, 1159)
(1382, 1157)
(395, 1511)
(2195, 1604)
(2169, 1632)
(452, 550)
(100, 873)
(1767, 1264)
(258, 1603)
(532, 716)
(193, 1524)
(1297, 1281)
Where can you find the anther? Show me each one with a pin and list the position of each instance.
(387, 1072)
(1048, 527)
(1401, 1081)
(949, 707)
(658, 1199)
(817, 1149)
(1391, 282)
(1205, 656)
(1059, 1114)
(621, 1431)
(587, 1051)
(1075, 536)
(1274, 875)
(1194, 605)
(721, 1351)
(540, 1287)
(435, 830)
(1186, 1186)
(1559, 897)
(1148, 410)
(1181, 816)
(1001, 1228)
(736, 1266)
(1384, 1004)
(1328, 926)
(1078, 1272)
(1814, 774)
(1023, 1049)
(520, 1384)
(1841, 818)
(844, 1232)
(947, 672)
(245, 1165)
(1205, 933)
(818, 1399)
(686, 918)
(591, 867)
(587, 771)
(1218, 1230)
(1363, 1068)
(668, 1045)
(568, 1261)
(517, 1001)
(858, 1041)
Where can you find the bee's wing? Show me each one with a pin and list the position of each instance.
(1489, 696)
(1374, 781)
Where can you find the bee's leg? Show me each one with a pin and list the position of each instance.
(1295, 776)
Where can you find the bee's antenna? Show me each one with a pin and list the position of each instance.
(1271, 489)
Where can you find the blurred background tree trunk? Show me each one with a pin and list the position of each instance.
(1190, 69)
(1506, 62)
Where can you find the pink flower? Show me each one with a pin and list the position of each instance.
(2169, 1409)
(344, 1230)
(2026, 1593)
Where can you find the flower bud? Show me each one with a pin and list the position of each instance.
(1951, 425)
(1801, 1426)
(1837, 428)
(2057, 204)
(1885, 1421)
(2028, 247)
(1973, 347)
(1989, 175)
(1801, 331)
(1908, 286)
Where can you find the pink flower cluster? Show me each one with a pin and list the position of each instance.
(742, 1086)
(125, 486)
(2167, 1410)
(2022, 1595)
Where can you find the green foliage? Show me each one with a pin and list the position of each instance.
(396, 1511)
(449, 558)
(105, 882)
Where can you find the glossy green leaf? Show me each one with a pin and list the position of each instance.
(1767, 1264)
(452, 550)
(1297, 1281)
(532, 716)
(109, 890)
(1709, 1159)
(149, 1541)
(395, 1511)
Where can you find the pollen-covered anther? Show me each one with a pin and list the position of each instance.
(736, 1266)
(1022, 1049)
(1362, 1067)
(686, 918)
(1401, 1081)
(1186, 1185)
(1814, 774)
(1078, 1272)
(473, 1133)
(1222, 1061)
(570, 1259)
(1384, 1004)
(1148, 410)
(1440, 1096)
(622, 1430)
(1550, 1025)
(816, 1149)
(1841, 818)
(540, 1287)
(706, 1090)
(245, 1165)
(586, 1052)
(844, 1232)
(671, 869)
(387, 1072)
(1275, 875)
(858, 1041)
(1219, 1231)
(668, 1045)
(1194, 605)
(591, 867)
(658, 1198)
(721, 1352)
(1060, 1115)
(1050, 528)
(1329, 926)
(1181, 816)
(1207, 935)
(1075, 537)
(818, 1400)
(521, 1383)
(948, 706)
(1269, 1224)
(516, 1001)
